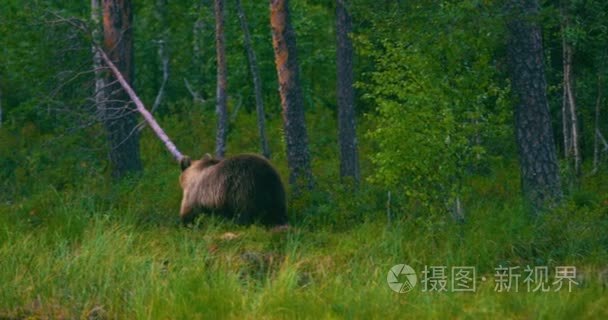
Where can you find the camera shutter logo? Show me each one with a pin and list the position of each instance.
(401, 278)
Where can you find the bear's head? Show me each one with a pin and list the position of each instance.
(193, 173)
(192, 169)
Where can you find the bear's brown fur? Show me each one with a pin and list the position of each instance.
(245, 188)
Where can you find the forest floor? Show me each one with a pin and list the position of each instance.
(70, 255)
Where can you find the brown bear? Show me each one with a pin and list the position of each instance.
(245, 188)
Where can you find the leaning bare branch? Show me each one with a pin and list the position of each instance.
(141, 108)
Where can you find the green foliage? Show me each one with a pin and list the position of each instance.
(435, 126)
(585, 27)
(116, 250)
(439, 109)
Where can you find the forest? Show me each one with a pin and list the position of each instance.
(359, 159)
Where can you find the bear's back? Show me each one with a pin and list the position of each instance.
(245, 187)
(254, 189)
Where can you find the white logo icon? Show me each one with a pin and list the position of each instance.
(401, 278)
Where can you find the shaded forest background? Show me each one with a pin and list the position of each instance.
(432, 90)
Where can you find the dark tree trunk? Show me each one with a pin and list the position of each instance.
(119, 116)
(220, 107)
(539, 169)
(257, 82)
(284, 43)
(347, 134)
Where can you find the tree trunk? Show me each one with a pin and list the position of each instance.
(257, 82)
(284, 43)
(539, 169)
(99, 93)
(347, 134)
(220, 107)
(163, 55)
(119, 118)
(573, 131)
(566, 124)
(198, 28)
(596, 140)
(576, 149)
(164, 65)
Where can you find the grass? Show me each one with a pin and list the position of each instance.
(79, 258)
(97, 250)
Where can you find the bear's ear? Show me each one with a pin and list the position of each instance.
(185, 162)
(208, 156)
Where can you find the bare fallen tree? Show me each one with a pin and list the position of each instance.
(140, 107)
(160, 133)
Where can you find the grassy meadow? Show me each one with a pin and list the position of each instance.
(98, 250)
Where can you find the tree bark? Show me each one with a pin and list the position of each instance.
(347, 133)
(119, 118)
(284, 43)
(257, 82)
(539, 169)
(220, 108)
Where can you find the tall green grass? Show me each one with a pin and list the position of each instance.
(79, 259)
(101, 250)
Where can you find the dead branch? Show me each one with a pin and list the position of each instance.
(141, 108)
(80, 25)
